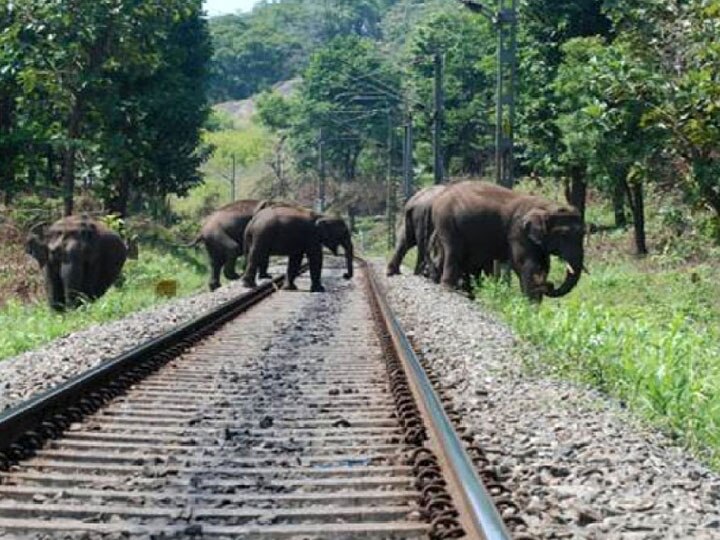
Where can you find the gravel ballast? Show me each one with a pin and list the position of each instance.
(579, 465)
(25, 375)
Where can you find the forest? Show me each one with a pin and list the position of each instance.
(121, 107)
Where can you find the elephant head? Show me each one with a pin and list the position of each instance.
(334, 233)
(558, 232)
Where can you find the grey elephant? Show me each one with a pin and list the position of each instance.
(294, 232)
(477, 223)
(223, 234)
(415, 230)
(81, 259)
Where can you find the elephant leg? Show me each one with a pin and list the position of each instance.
(254, 261)
(229, 268)
(422, 258)
(315, 261)
(393, 267)
(293, 269)
(452, 266)
(217, 261)
(264, 269)
(54, 288)
(532, 280)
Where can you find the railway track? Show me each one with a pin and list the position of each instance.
(307, 416)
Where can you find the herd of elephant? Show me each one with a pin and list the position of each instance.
(460, 230)
(82, 258)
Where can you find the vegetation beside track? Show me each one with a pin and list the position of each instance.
(644, 330)
(28, 325)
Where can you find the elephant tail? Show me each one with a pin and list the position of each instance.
(196, 241)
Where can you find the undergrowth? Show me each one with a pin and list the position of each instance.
(651, 339)
(27, 326)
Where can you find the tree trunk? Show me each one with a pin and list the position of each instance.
(119, 203)
(618, 201)
(636, 200)
(7, 151)
(68, 161)
(576, 191)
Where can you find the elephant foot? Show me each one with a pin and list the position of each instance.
(347, 276)
(317, 288)
(233, 277)
(214, 286)
(392, 271)
(265, 276)
(249, 283)
(289, 287)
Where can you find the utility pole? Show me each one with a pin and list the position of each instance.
(438, 166)
(390, 185)
(232, 180)
(505, 21)
(320, 203)
(408, 158)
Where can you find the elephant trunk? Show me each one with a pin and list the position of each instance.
(572, 276)
(72, 277)
(349, 256)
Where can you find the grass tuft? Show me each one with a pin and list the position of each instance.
(649, 339)
(27, 326)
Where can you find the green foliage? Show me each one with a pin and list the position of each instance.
(110, 93)
(275, 42)
(467, 46)
(650, 339)
(30, 325)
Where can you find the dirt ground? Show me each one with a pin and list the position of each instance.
(20, 277)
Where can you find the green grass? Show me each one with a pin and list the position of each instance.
(648, 336)
(27, 326)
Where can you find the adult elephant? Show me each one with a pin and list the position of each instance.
(81, 259)
(222, 233)
(477, 223)
(294, 232)
(416, 230)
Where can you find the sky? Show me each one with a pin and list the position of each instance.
(219, 7)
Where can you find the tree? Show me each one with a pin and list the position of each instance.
(604, 95)
(467, 46)
(545, 26)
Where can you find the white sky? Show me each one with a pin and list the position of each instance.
(220, 7)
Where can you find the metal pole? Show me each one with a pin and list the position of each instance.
(408, 159)
(499, 141)
(232, 181)
(390, 195)
(438, 121)
(321, 180)
(513, 85)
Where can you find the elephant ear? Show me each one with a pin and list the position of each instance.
(37, 247)
(535, 226)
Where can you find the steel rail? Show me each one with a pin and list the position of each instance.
(478, 513)
(26, 425)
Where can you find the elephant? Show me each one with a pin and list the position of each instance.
(294, 231)
(415, 230)
(477, 223)
(81, 259)
(222, 233)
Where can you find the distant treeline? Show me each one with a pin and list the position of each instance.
(109, 95)
(612, 95)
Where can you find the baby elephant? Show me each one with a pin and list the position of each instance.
(222, 233)
(295, 232)
(81, 258)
